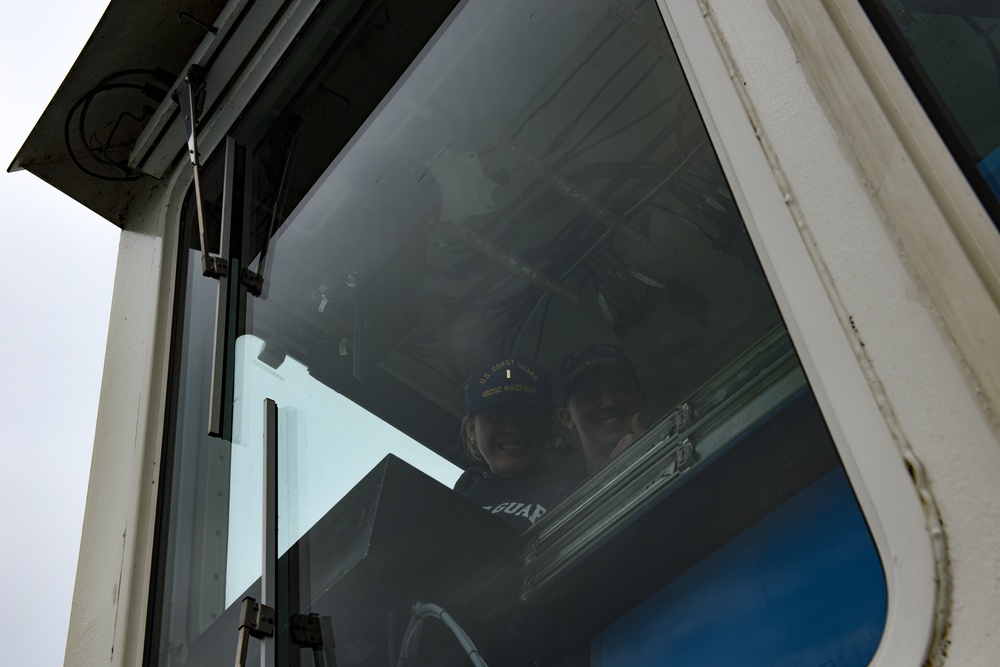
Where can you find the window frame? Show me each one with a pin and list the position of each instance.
(867, 446)
(952, 132)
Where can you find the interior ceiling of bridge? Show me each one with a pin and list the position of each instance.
(457, 226)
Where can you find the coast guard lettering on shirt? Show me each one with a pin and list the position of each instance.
(530, 512)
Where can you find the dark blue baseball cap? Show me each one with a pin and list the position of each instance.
(509, 379)
(589, 358)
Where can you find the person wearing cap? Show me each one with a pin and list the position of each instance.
(602, 400)
(505, 431)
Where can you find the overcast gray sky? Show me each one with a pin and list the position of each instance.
(57, 264)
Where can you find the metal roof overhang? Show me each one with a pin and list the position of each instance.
(131, 36)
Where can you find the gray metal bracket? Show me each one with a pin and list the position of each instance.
(191, 98)
(257, 621)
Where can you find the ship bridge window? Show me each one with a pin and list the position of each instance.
(422, 188)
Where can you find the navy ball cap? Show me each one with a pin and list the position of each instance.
(589, 358)
(508, 379)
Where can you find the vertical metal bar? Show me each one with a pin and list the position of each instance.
(220, 396)
(252, 280)
(269, 524)
(241, 647)
(188, 98)
(189, 112)
(278, 201)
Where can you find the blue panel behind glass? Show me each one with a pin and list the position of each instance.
(989, 167)
(803, 586)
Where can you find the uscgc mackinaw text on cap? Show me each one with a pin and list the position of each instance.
(509, 379)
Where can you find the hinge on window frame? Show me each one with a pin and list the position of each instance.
(257, 621)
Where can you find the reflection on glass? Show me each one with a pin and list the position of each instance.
(537, 179)
(507, 199)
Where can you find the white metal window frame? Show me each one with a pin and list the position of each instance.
(888, 497)
(118, 536)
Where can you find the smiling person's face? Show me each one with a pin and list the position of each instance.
(510, 436)
(600, 408)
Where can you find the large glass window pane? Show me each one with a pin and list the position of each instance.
(432, 188)
(949, 53)
(209, 528)
(189, 587)
(328, 443)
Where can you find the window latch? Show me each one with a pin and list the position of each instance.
(191, 99)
